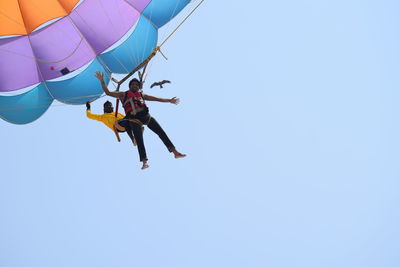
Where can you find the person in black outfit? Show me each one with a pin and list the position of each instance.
(137, 114)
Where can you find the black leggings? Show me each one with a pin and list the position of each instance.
(125, 124)
(136, 129)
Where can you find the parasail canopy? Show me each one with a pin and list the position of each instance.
(50, 49)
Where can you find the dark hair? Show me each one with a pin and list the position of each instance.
(132, 81)
(107, 103)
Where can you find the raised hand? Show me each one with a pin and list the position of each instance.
(174, 100)
(99, 75)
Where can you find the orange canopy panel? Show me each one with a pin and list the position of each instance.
(11, 22)
(24, 16)
(68, 4)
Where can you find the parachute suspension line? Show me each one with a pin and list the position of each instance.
(145, 73)
(116, 59)
(104, 64)
(157, 48)
(144, 16)
(147, 35)
(115, 29)
(148, 65)
(163, 55)
(128, 52)
(167, 28)
(180, 24)
(141, 14)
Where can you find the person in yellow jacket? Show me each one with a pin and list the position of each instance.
(109, 119)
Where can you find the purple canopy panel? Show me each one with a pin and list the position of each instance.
(59, 46)
(139, 5)
(17, 64)
(104, 22)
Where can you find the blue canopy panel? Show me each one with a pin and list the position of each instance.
(161, 11)
(128, 55)
(81, 88)
(27, 107)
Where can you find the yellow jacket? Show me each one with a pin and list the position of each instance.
(107, 118)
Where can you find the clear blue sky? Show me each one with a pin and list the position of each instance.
(289, 116)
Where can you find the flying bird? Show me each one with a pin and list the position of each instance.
(159, 83)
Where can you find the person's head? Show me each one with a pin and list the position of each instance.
(108, 107)
(134, 85)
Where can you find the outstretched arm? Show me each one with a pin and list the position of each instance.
(100, 76)
(173, 100)
(92, 116)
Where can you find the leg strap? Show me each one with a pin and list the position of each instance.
(139, 122)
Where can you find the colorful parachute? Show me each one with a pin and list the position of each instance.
(52, 48)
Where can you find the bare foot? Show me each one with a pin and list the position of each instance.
(179, 155)
(145, 165)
